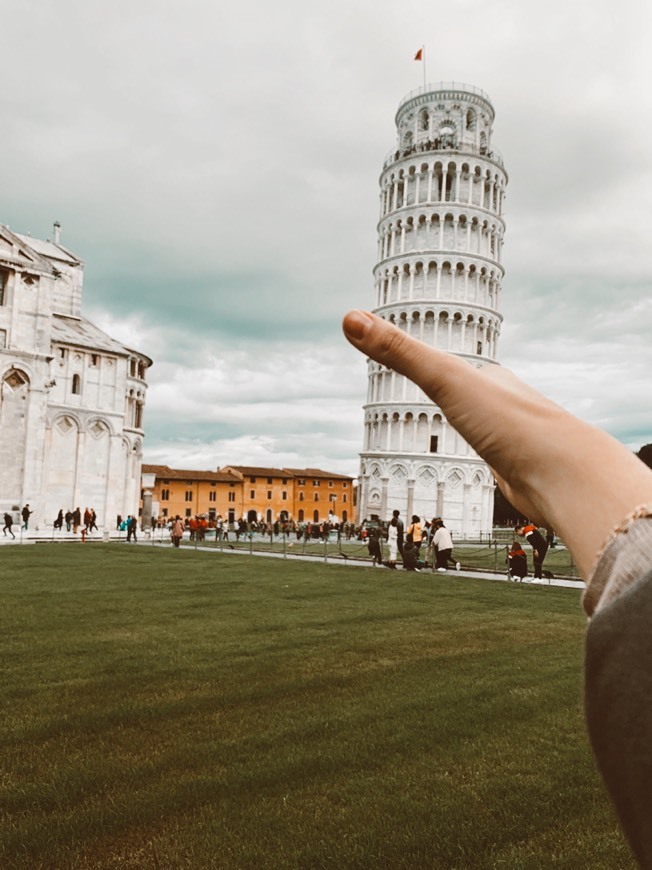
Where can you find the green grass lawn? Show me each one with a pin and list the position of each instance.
(176, 709)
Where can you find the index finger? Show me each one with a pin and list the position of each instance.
(466, 394)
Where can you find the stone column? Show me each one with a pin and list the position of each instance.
(410, 502)
(383, 497)
(440, 498)
(466, 507)
(147, 482)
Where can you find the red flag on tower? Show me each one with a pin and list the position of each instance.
(419, 55)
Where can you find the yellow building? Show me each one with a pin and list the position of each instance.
(194, 493)
(298, 494)
(252, 493)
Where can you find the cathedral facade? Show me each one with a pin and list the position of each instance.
(71, 397)
(438, 277)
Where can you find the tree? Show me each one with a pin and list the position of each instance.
(504, 512)
(645, 454)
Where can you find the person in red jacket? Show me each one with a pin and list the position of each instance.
(538, 543)
(517, 562)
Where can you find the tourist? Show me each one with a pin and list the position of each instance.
(392, 540)
(401, 540)
(414, 531)
(9, 521)
(598, 496)
(538, 543)
(58, 523)
(431, 551)
(26, 514)
(443, 543)
(410, 554)
(517, 562)
(176, 533)
(76, 519)
(375, 547)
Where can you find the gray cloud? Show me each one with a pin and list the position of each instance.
(216, 167)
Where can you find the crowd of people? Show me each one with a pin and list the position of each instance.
(199, 526)
(422, 545)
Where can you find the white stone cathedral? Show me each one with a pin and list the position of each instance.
(71, 397)
(438, 277)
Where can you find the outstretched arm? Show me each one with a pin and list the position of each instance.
(553, 467)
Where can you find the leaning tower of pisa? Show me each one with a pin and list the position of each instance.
(438, 277)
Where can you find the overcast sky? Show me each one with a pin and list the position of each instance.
(216, 167)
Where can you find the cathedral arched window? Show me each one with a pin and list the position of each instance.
(76, 385)
(4, 281)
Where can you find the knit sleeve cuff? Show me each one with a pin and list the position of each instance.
(624, 558)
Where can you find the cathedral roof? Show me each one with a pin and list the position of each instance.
(318, 472)
(167, 473)
(82, 333)
(255, 471)
(49, 249)
(15, 251)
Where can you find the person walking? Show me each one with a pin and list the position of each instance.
(26, 514)
(539, 546)
(76, 519)
(176, 532)
(9, 521)
(93, 523)
(58, 523)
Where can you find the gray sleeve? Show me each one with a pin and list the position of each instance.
(623, 559)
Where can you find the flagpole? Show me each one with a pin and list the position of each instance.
(423, 49)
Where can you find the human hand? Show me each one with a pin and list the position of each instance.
(556, 469)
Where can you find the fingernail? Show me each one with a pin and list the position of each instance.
(357, 323)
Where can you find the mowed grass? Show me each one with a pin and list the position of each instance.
(180, 709)
(482, 557)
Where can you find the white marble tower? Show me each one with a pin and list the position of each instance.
(438, 277)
